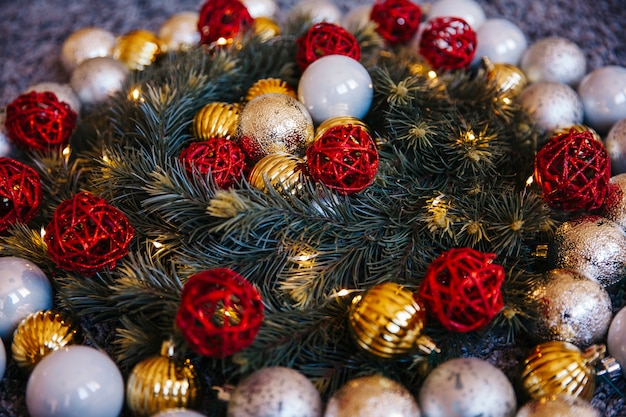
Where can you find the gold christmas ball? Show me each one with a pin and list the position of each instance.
(84, 44)
(558, 406)
(283, 171)
(160, 382)
(39, 334)
(578, 129)
(216, 119)
(509, 79)
(266, 28)
(270, 86)
(180, 32)
(339, 121)
(137, 49)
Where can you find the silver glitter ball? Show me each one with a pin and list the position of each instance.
(84, 44)
(552, 105)
(559, 406)
(96, 79)
(614, 207)
(554, 59)
(615, 144)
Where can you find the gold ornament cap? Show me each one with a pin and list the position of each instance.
(137, 49)
(216, 119)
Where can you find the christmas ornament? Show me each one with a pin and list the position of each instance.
(75, 381)
(372, 396)
(323, 39)
(616, 338)
(39, 121)
(357, 17)
(602, 93)
(615, 144)
(178, 412)
(316, 11)
(468, 10)
(261, 8)
(220, 312)
(222, 158)
(274, 123)
(63, 92)
(266, 28)
(555, 59)
(567, 306)
(217, 119)
(448, 43)
(338, 121)
(270, 86)
(387, 321)
(87, 235)
(614, 207)
(6, 148)
(461, 289)
(592, 245)
(552, 105)
(20, 193)
(397, 20)
(500, 40)
(3, 359)
(84, 44)
(573, 170)
(277, 392)
(137, 49)
(160, 382)
(558, 406)
(24, 289)
(41, 333)
(284, 172)
(179, 32)
(97, 79)
(467, 387)
(221, 21)
(344, 158)
(510, 81)
(560, 368)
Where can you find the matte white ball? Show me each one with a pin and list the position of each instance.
(24, 289)
(336, 85)
(554, 59)
(96, 79)
(357, 17)
(3, 359)
(178, 412)
(317, 11)
(180, 32)
(84, 44)
(500, 40)
(615, 144)
(603, 93)
(467, 387)
(261, 8)
(552, 105)
(277, 392)
(76, 381)
(468, 10)
(63, 92)
(616, 338)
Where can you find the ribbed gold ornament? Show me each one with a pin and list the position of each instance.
(137, 49)
(509, 79)
(216, 119)
(266, 28)
(387, 321)
(283, 171)
(159, 383)
(270, 86)
(577, 129)
(39, 334)
(560, 368)
(342, 121)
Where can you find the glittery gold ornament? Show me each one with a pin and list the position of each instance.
(560, 368)
(137, 49)
(180, 32)
(270, 86)
(387, 321)
(41, 333)
(266, 28)
(216, 119)
(509, 79)
(282, 171)
(160, 382)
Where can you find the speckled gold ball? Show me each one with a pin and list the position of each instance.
(216, 119)
(282, 171)
(137, 49)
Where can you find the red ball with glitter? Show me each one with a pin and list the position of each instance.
(20, 193)
(573, 170)
(223, 19)
(448, 43)
(87, 235)
(324, 39)
(222, 158)
(461, 289)
(343, 158)
(220, 312)
(397, 20)
(39, 121)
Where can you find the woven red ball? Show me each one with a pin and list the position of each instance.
(461, 289)
(448, 43)
(220, 312)
(324, 39)
(87, 235)
(573, 170)
(39, 121)
(344, 158)
(225, 19)
(397, 20)
(20, 193)
(221, 157)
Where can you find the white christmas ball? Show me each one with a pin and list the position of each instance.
(357, 17)
(500, 40)
(336, 85)
(552, 105)
(3, 359)
(178, 412)
(317, 11)
(558, 406)
(467, 387)
(468, 10)
(261, 8)
(24, 289)
(616, 338)
(76, 381)
(84, 44)
(615, 144)
(603, 94)
(554, 59)
(96, 79)
(63, 92)
(277, 392)
(180, 32)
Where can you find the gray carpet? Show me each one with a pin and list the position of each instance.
(31, 34)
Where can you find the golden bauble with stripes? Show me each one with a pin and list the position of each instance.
(270, 86)
(266, 28)
(576, 129)
(284, 172)
(217, 119)
(137, 49)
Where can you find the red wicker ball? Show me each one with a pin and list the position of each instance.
(343, 158)
(39, 121)
(573, 170)
(461, 289)
(220, 312)
(222, 158)
(397, 20)
(87, 235)
(448, 43)
(225, 19)
(20, 193)
(324, 39)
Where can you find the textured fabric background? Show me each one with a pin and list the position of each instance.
(31, 34)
